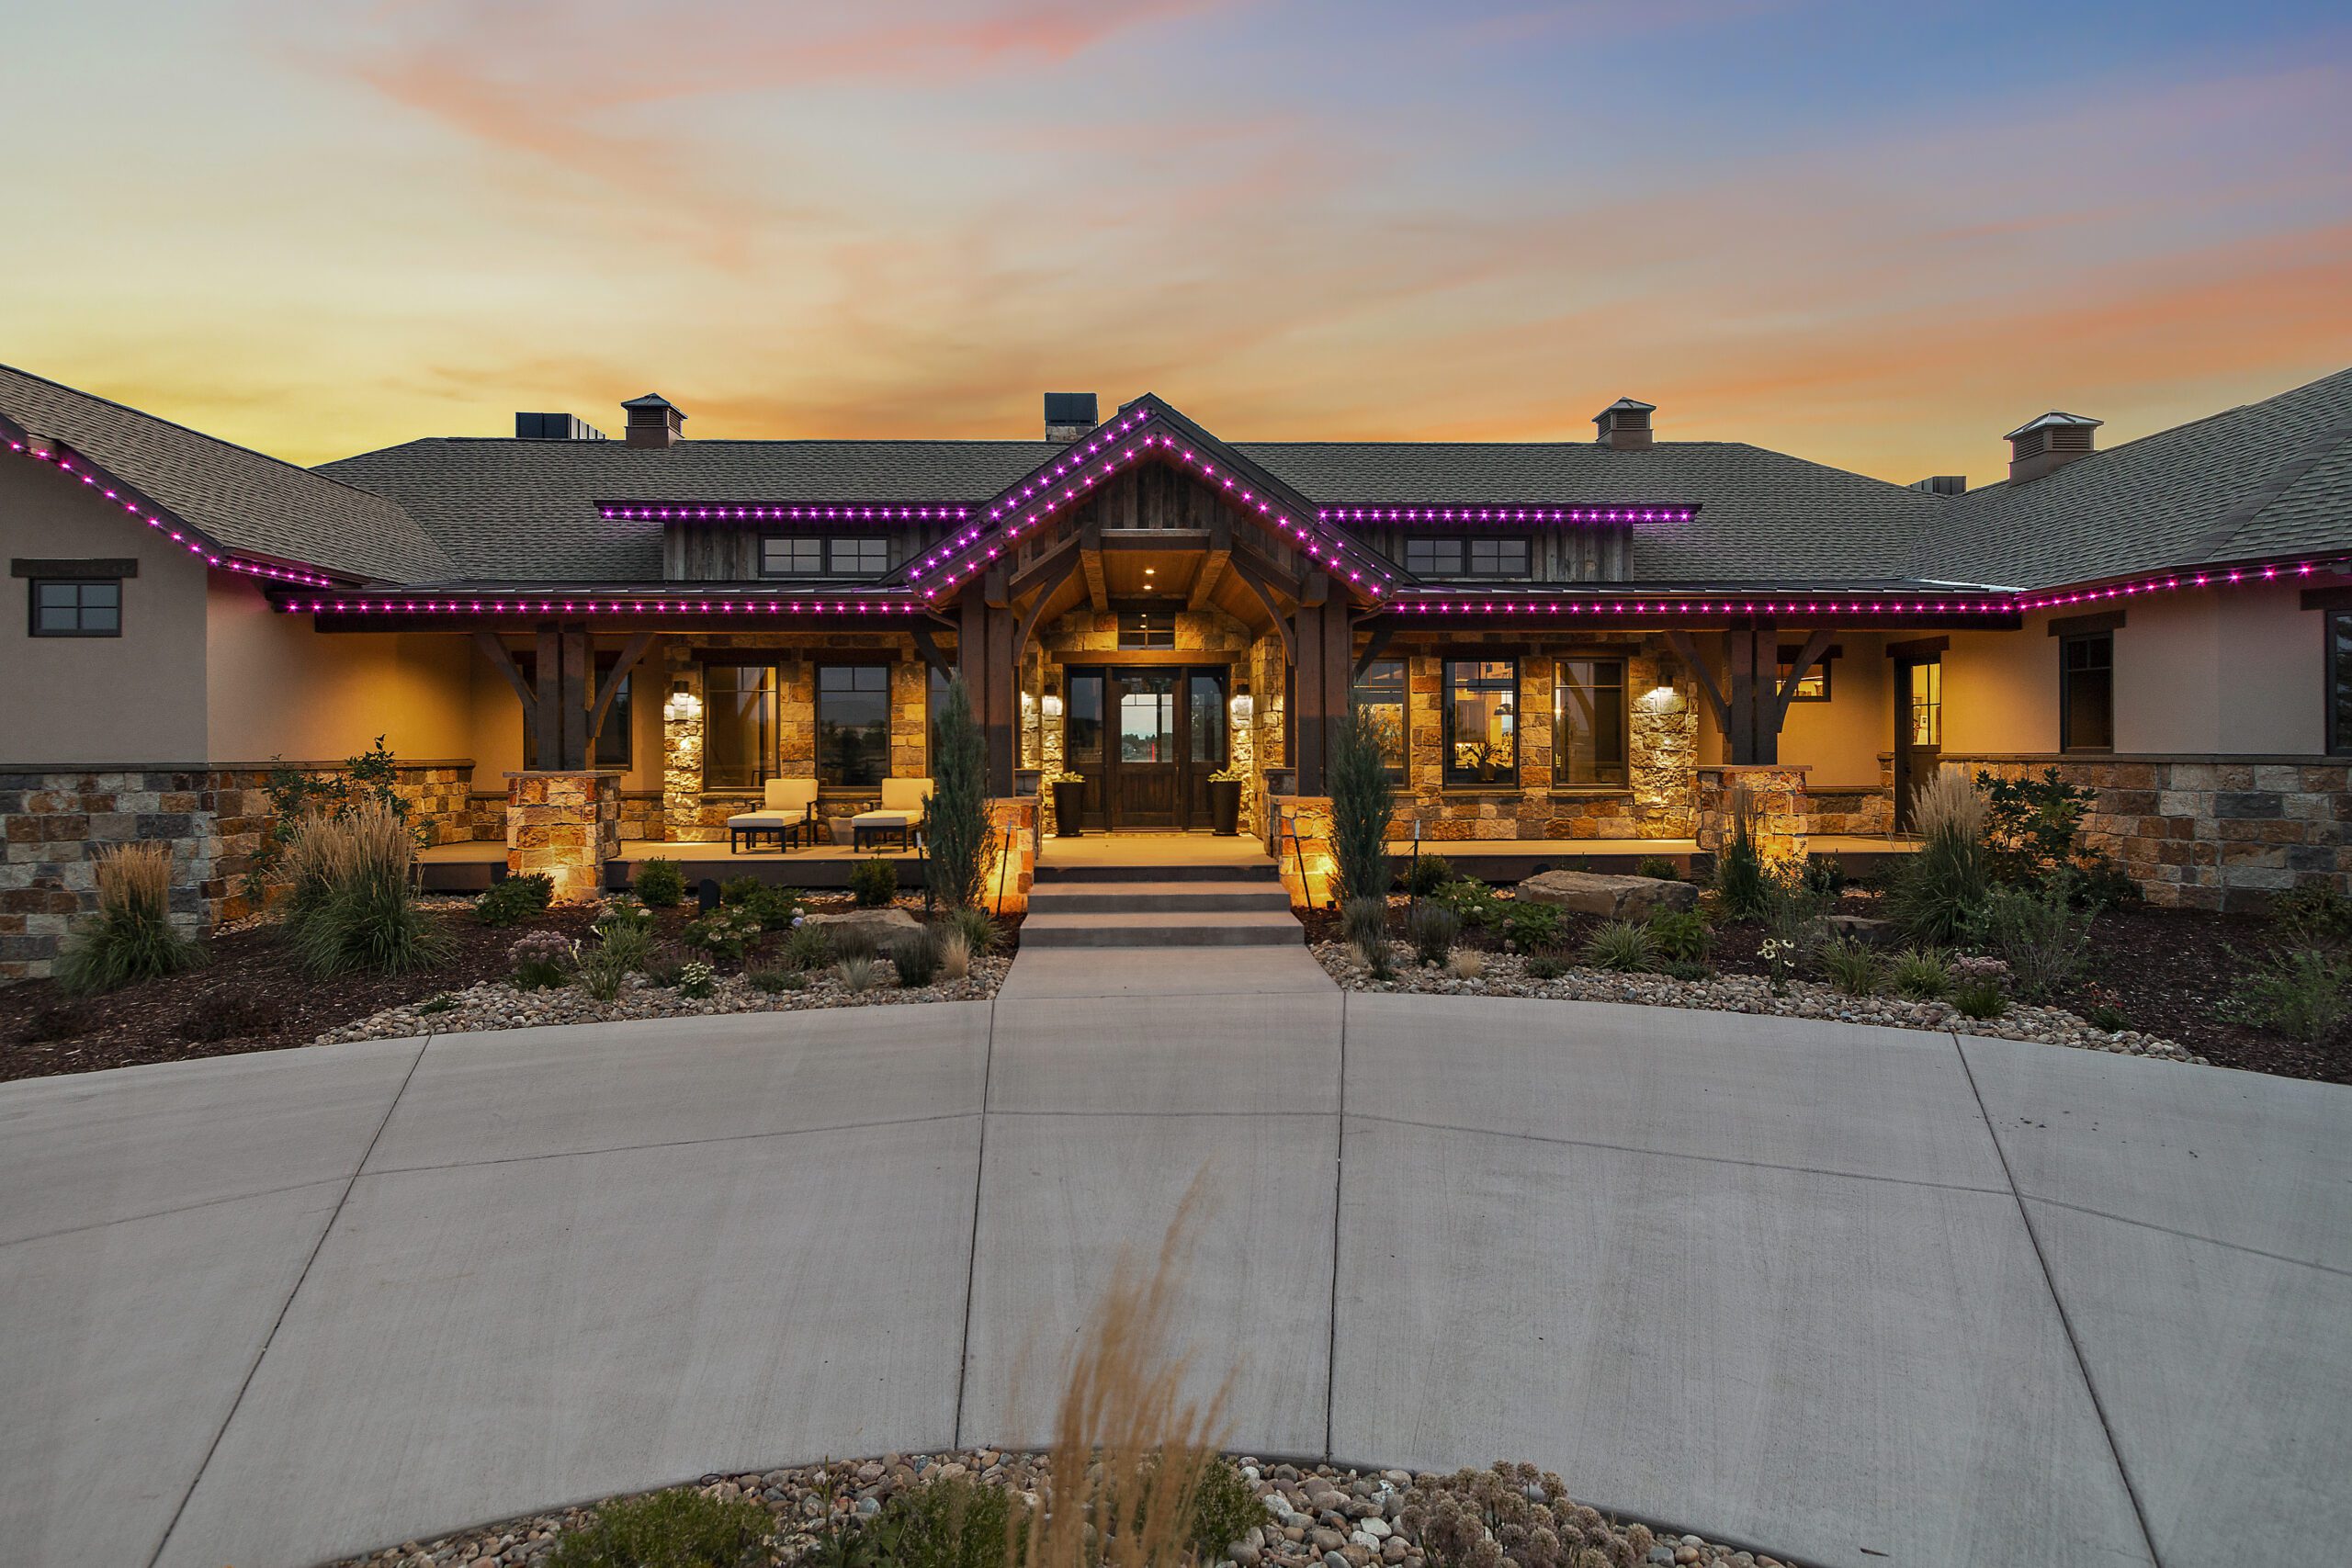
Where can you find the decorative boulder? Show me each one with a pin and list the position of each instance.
(1863, 928)
(1613, 898)
(885, 926)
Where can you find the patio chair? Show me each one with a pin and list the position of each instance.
(788, 815)
(900, 813)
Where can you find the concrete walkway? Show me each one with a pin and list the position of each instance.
(1854, 1294)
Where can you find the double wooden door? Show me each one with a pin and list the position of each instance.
(1146, 737)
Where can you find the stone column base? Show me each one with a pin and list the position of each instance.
(1303, 864)
(564, 825)
(1008, 887)
(1782, 825)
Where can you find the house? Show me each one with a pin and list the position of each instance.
(577, 646)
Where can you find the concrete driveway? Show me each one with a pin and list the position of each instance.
(1859, 1295)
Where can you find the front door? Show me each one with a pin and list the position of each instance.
(1919, 731)
(1145, 756)
(1146, 737)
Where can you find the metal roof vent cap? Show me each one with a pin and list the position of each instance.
(1624, 426)
(654, 421)
(2051, 442)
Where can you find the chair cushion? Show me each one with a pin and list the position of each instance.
(790, 794)
(905, 795)
(761, 819)
(882, 819)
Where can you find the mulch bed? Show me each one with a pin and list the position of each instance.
(2169, 972)
(254, 996)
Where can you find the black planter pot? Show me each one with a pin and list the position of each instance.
(1225, 807)
(1070, 804)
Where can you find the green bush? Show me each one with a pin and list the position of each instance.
(915, 955)
(1682, 936)
(513, 899)
(1979, 999)
(1921, 974)
(1740, 879)
(696, 979)
(957, 828)
(1424, 874)
(131, 936)
(1532, 925)
(625, 942)
(874, 882)
(739, 889)
(602, 972)
(681, 1528)
(1545, 966)
(1852, 968)
(1432, 930)
(661, 884)
(2314, 915)
(1825, 875)
(809, 947)
(1683, 969)
(2107, 1016)
(1658, 868)
(1796, 915)
(977, 927)
(727, 932)
(1363, 921)
(774, 907)
(2036, 930)
(848, 941)
(774, 980)
(666, 965)
(2305, 992)
(1225, 1509)
(958, 1523)
(1623, 946)
(2031, 825)
(354, 911)
(1470, 899)
(295, 796)
(1362, 799)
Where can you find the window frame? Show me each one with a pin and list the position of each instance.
(1466, 549)
(1450, 770)
(769, 762)
(2336, 631)
(829, 553)
(2067, 643)
(618, 718)
(817, 719)
(1785, 659)
(33, 606)
(1402, 768)
(1144, 638)
(1625, 764)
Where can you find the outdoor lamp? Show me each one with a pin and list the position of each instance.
(683, 703)
(1667, 672)
(1053, 705)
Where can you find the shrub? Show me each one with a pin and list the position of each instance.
(809, 947)
(680, 1528)
(954, 956)
(131, 936)
(958, 829)
(1545, 966)
(1740, 881)
(1683, 969)
(858, 972)
(1532, 925)
(1363, 925)
(1466, 963)
(1938, 893)
(661, 884)
(2038, 932)
(2031, 825)
(1623, 946)
(353, 911)
(1825, 875)
(542, 960)
(874, 882)
(1979, 999)
(513, 899)
(726, 932)
(445, 1002)
(1658, 868)
(774, 907)
(603, 972)
(1431, 929)
(977, 927)
(1852, 968)
(1920, 974)
(1362, 799)
(1462, 1521)
(741, 890)
(1795, 921)
(915, 956)
(1471, 900)
(2314, 915)
(1424, 874)
(2107, 1016)
(1681, 935)
(696, 979)
(626, 942)
(958, 1523)
(2305, 992)
(851, 943)
(1225, 1509)
(295, 796)
(774, 981)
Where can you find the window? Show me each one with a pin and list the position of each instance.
(1146, 628)
(1814, 687)
(2086, 692)
(613, 747)
(1471, 558)
(1380, 692)
(1082, 721)
(795, 555)
(1927, 699)
(1481, 721)
(77, 607)
(738, 737)
(1588, 724)
(2339, 680)
(853, 724)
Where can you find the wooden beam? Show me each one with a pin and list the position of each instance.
(1048, 565)
(632, 653)
(503, 662)
(1678, 640)
(546, 717)
(1740, 737)
(1004, 700)
(1381, 636)
(1307, 700)
(1089, 553)
(571, 697)
(1212, 564)
(1258, 583)
(1045, 593)
(1807, 657)
(927, 646)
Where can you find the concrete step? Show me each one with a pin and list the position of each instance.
(1146, 928)
(1156, 898)
(1150, 871)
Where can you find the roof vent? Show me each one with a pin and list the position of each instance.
(2051, 442)
(1625, 425)
(554, 427)
(1070, 415)
(654, 421)
(1943, 484)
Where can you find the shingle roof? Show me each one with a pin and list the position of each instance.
(239, 497)
(2267, 479)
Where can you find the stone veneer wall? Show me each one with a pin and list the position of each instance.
(1009, 879)
(2207, 832)
(1303, 856)
(564, 825)
(1783, 823)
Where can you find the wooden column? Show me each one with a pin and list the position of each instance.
(984, 655)
(576, 696)
(546, 718)
(1319, 674)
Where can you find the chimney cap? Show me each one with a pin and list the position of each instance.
(1634, 405)
(2054, 419)
(652, 400)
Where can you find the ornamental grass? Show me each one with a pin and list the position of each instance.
(131, 936)
(1939, 893)
(351, 908)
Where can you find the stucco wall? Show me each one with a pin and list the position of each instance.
(495, 717)
(1841, 738)
(138, 698)
(281, 689)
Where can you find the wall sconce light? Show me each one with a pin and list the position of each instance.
(683, 703)
(1242, 707)
(1053, 704)
(1668, 672)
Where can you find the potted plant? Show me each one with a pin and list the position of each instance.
(1225, 801)
(1069, 803)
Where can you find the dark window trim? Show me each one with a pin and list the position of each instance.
(825, 543)
(817, 667)
(527, 661)
(1526, 542)
(773, 761)
(1785, 657)
(2066, 702)
(2338, 740)
(2086, 626)
(32, 607)
(1919, 649)
(1448, 771)
(21, 566)
(1624, 718)
(1404, 768)
(1120, 631)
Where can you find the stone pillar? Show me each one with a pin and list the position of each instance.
(1305, 864)
(1782, 825)
(564, 826)
(1007, 885)
(682, 749)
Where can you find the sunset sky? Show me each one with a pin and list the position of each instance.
(1875, 234)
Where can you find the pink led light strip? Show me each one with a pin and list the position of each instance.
(178, 535)
(1710, 606)
(2209, 577)
(1084, 473)
(1506, 514)
(472, 606)
(787, 512)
